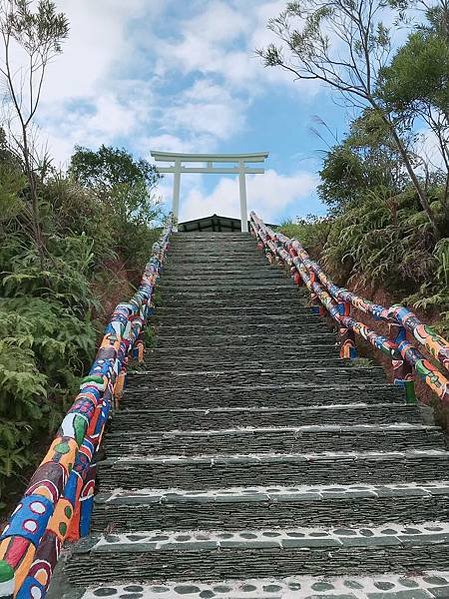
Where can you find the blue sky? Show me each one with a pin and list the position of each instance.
(173, 75)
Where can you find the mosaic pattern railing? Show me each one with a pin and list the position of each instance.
(406, 358)
(58, 502)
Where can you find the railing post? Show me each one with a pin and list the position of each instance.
(280, 261)
(297, 278)
(138, 351)
(403, 375)
(7, 581)
(348, 348)
(317, 307)
(269, 254)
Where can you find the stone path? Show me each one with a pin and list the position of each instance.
(249, 461)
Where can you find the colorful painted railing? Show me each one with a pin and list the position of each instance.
(58, 502)
(406, 358)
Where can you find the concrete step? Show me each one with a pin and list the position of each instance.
(258, 273)
(426, 585)
(217, 471)
(210, 310)
(210, 235)
(244, 261)
(175, 246)
(227, 268)
(209, 555)
(260, 417)
(177, 243)
(218, 262)
(154, 364)
(359, 394)
(244, 377)
(261, 292)
(239, 353)
(212, 276)
(238, 252)
(214, 248)
(262, 507)
(287, 439)
(294, 306)
(311, 326)
(182, 238)
(252, 296)
(227, 284)
(260, 342)
(181, 318)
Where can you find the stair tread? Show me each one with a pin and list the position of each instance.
(271, 439)
(257, 341)
(266, 371)
(304, 493)
(427, 585)
(294, 537)
(259, 374)
(184, 319)
(155, 365)
(248, 430)
(266, 409)
(146, 417)
(277, 458)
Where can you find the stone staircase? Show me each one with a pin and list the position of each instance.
(249, 461)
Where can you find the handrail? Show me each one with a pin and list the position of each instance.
(406, 358)
(58, 502)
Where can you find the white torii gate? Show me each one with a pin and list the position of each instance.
(239, 160)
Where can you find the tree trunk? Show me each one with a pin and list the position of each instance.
(416, 184)
(37, 229)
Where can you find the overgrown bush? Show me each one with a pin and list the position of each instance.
(50, 310)
(312, 231)
(384, 242)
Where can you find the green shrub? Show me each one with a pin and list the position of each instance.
(48, 306)
(311, 231)
(383, 241)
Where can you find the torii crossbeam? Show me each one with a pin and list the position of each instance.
(239, 162)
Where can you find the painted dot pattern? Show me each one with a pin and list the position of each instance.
(302, 587)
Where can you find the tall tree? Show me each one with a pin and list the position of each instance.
(125, 187)
(415, 87)
(31, 39)
(365, 159)
(118, 179)
(343, 44)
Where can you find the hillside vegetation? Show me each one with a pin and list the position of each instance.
(97, 236)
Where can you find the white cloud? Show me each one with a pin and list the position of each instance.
(188, 142)
(97, 40)
(206, 44)
(207, 108)
(203, 39)
(98, 120)
(85, 100)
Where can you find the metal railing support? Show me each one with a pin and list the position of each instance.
(403, 374)
(348, 347)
